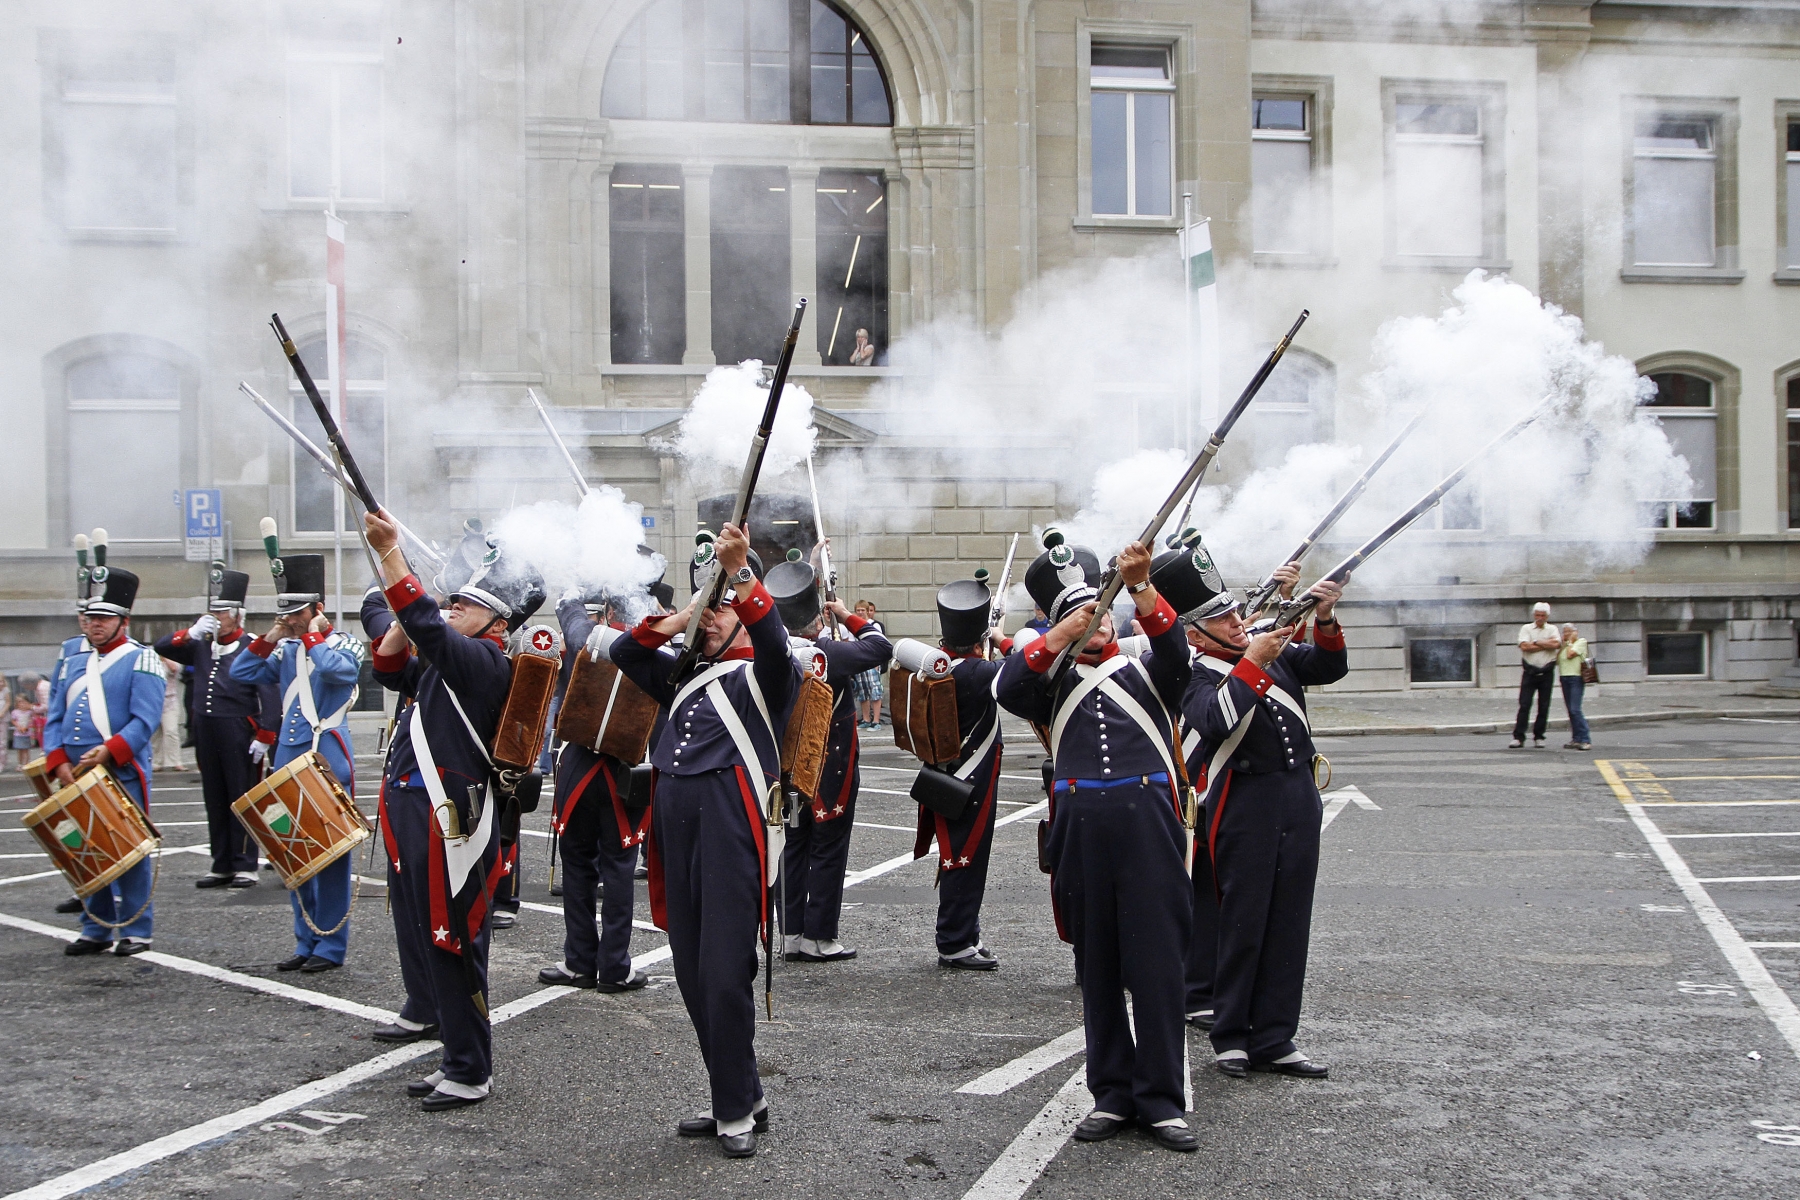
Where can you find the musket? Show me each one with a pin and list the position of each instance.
(83, 580)
(759, 444)
(1259, 598)
(346, 460)
(215, 575)
(1293, 612)
(997, 610)
(825, 572)
(1109, 588)
(568, 459)
(434, 561)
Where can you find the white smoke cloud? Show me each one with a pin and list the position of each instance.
(716, 430)
(588, 547)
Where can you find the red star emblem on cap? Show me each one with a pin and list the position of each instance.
(542, 639)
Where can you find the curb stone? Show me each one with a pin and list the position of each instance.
(1555, 722)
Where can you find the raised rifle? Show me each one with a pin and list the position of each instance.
(826, 574)
(1109, 587)
(1264, 592)
(215, 575)
(1292, 612)
(759, 445)
(997, 610)
(346, 460)
(555, 437)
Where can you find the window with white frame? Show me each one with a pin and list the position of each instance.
(123, 437)
(1685, 406)
(1674, 181)
(1132, 128)
(1791, 175)
(1283, 169)
(334, 126)
(364, 423)
(1439, 176)
(112, 139)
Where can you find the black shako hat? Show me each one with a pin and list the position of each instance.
(506, 584)
(706, 555)
(963, 607)
(120, 592)
(794, 585)
(301, 582)
(1063, 577)
(1188, 579)
(234, 586)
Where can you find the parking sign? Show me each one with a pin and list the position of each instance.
(203, 510)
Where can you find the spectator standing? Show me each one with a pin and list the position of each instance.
(168, 734)
(21, 734)
(1539, 642)
(1571, 665)
(866, 685)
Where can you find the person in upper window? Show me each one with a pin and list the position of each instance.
(863, 355)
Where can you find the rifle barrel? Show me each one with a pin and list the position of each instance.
(329, 422)
(581, 484)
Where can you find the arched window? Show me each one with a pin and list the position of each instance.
(800, 62)
(364, 423)
(1686, 409)
(124, 445)
(1294, 408)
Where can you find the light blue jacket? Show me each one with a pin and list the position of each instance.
(133, 683)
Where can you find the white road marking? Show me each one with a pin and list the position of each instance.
(895, 828)
(885, 792)
(1674, 836)
(1341, 799)
(1030, 1065)
(901, 860)
(550, 908)
(1773, 945)
(1749, 879)
(29, 878)
(1042, 1139)
(142, 1156)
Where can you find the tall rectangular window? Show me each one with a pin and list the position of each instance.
(1793, 449)
(1684, 407)
(334, 126)
(113, 140)
(124, 428)
(852, 281)
(1791, 172)
(1439, 187)
(648, 256)
(1132, 116)
(1673, 191)
(751, 259)
(1283, 164)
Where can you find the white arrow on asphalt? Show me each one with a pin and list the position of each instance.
(1341, 799)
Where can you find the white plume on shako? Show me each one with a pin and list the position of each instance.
(716, 430)
(592, 546)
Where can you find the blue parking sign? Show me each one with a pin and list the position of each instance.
(204, 508)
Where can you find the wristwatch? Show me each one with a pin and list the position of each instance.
(1135, 588)
(744, 574)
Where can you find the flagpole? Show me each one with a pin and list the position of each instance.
(335, 367)
(1187, 292)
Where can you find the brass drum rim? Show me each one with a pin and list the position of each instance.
(35, 822)
(291, 773)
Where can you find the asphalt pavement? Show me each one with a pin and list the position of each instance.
(1534, 973)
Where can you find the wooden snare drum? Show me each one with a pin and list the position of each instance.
(41, 779)
(302, 818)
(93, 831)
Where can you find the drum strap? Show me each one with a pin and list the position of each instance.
(972, 758)
(95, 688)
(309, 704)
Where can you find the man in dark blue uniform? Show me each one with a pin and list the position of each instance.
(597, 836)
(234, 724)
(712, 847)
(965, 844)
(436, 802)
(1262, 823)
(818, 836)
(1116, 839)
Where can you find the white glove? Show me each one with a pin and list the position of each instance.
(203, 625)
(258, 752)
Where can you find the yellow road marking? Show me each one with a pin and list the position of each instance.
(1613, 781)
(1689, 778)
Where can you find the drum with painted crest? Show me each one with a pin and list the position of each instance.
(93, 831)
(302, 818)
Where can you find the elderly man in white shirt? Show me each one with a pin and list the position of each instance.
(1538, 643)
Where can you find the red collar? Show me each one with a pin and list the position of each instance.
(499, 639)
(112, 645)
(1111, 648)
(228, 638)
(738, 652)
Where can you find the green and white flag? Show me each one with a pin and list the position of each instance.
(276, 816)
(1203, 311)
(68, 833)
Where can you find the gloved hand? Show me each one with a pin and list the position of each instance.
(203, 625)
(258, 752)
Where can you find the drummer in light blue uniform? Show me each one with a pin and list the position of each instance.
(316, 669)
(105, 704)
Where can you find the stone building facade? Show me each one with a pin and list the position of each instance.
(603, 199)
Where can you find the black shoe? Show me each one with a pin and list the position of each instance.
(561, 976)
(631, 983)
(1202, 1020)
(71, 905)
(1234, 1068)
(81, 946)
(1300, 1068)
(315, 964)
(130, 946)
(444, 1101)
(1097, 1128)
(1175, 1137)
(399, 1035)
(841, 954)
(707, 1127)
(244, 879)
(291, 964)
(981, 960)
(738, 1145)
(504, 920)
(213, 881)
(418, 1089)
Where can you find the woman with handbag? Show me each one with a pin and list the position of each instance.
(1575, 668)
